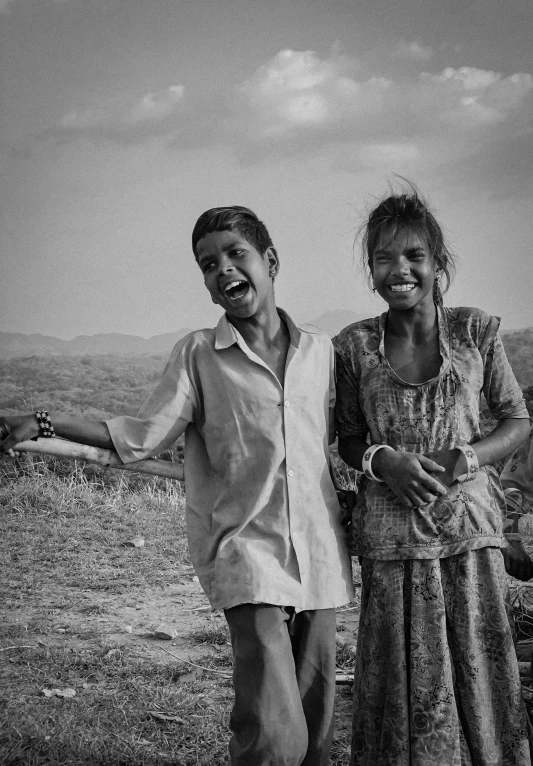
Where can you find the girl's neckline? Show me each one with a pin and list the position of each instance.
(444, 349)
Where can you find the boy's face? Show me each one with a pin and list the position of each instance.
(238, 277)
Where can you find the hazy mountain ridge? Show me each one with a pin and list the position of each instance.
(101, 385)
(22, 345)
(115, 359)
(19, 344)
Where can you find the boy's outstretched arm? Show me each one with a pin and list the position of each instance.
(17, 428)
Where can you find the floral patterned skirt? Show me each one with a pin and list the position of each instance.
(436, 674)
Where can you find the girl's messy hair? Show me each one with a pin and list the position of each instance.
(407, 210)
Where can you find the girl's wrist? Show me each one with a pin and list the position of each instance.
(373, 461)
(467, 464)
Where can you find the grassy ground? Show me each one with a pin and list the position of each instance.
(79, 614)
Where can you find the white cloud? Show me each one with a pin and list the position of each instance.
(155, 106)
(297, 102)
(297, 90)
(471, 98)
(297, 94)
(414, 50)
(120, 117)
(468, 78)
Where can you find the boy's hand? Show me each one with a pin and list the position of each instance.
(410, 476)
(516, 560)
(347, 499)
(15, 429)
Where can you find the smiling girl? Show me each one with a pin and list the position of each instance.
(436, 676)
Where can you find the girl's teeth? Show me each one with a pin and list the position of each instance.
(401, 288)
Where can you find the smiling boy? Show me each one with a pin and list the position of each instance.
(254, 397)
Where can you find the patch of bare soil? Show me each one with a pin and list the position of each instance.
(90, 618)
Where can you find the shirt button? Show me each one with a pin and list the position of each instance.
(290, 473)
(286, 403)
(294, 536)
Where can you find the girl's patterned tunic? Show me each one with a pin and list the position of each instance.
(436, 415)
(436, 680)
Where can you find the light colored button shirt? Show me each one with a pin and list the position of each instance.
(263, 520)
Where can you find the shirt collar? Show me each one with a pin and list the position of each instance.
(226, 334)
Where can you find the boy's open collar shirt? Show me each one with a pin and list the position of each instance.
(263, 520)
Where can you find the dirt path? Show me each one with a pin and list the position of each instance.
(87, 618)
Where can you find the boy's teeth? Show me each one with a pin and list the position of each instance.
(236, 289)
(234, 284)
(402, 288)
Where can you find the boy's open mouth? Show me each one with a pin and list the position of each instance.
(237, 289)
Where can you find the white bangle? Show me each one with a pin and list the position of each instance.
(472, 464)
(367, 461)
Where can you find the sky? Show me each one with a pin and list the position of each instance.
(121, 121)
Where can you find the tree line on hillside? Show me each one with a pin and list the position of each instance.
(519, 350)
(95, 386)
(104, 385)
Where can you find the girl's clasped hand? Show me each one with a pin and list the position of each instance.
(415, 479)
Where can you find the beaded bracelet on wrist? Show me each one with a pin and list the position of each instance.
(46, 429)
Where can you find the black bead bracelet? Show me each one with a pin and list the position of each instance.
(46, 428)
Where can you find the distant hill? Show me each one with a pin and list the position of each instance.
(518, 344)
(105, 375)
(519, 349)
(17, 344)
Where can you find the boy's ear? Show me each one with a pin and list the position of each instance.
(273, 261)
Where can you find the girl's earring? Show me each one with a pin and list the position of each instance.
(373, 287)
(437, 292)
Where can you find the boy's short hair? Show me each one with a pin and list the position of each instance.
(234, 218)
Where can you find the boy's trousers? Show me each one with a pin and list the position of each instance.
(284, 682)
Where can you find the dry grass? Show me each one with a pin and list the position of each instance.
(71, 526)
(62, 530)
(109, 721)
